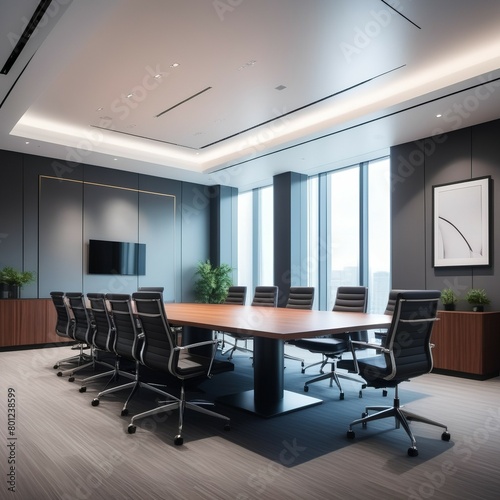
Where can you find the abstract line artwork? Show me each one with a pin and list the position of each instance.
(461, 223)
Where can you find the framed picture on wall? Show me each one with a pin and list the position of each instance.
(461, 223)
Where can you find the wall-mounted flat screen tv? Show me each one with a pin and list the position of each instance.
(117, 257)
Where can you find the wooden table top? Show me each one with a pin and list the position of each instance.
(271, 322)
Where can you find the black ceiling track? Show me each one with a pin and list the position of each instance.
(399, 13)
(182, 102)
(28, 31)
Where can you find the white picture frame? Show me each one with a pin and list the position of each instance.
(461, 223)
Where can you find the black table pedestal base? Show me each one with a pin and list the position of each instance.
(291, 401)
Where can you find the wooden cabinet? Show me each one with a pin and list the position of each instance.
(26, 322)
(467, 343)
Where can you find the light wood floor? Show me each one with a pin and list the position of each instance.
(67, 449)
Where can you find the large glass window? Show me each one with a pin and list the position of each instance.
(255, 238)
(349, 232)
(343, 230)
(379, 235)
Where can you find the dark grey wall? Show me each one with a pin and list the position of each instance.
(49, 209)
(415, 168)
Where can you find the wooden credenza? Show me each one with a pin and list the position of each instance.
(467, 344)
(26, 322)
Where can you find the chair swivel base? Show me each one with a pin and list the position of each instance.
(403, 417)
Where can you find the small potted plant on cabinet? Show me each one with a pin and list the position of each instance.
(449, 299)
(212, 282)
(477, 298)
(13, 280)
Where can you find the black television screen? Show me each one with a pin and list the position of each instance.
(117, 257)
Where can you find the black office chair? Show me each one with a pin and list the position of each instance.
(236, 295)
(103, 341)
(348, 364)
(127, 347)
(299, 297)
(83, 333)
(264, 296)
(405, 355)
(348, 299)
(161, 352)
(65, 326)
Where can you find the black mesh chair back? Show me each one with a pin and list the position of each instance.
(64, 322)
(84, 330)
(103, 324)
(126, 334)
(300, 297)
(159, 339)
(266, 296)
(236, 295)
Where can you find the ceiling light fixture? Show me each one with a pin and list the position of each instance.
(439, 115)
(174, 65)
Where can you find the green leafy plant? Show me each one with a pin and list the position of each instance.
(12, 277)
(477, 298)
(448, 296)
(212, 282)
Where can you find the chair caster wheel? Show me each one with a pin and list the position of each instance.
(303, 370)
(59, 374)
(306, 388)
(124, 412)
(83, 389)
(71, 379)
(341, 396)
(56, 367)
(413, 452)
(445, 436)
(360, 394)
(178, 440)
(131, 429)
(95, 402)
(384, 393)
(227, 427)
(350, 434)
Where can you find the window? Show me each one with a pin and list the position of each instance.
(349, 232)
(255, 238)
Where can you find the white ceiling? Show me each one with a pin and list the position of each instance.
(356, 77)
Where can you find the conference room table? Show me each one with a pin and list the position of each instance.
(270, 327)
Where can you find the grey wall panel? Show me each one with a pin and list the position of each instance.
(408, 216)
(60, 236)
(174, 188)
(111, 176)
(194, 213)
(157, 231)
(11, 210)
(109, 214)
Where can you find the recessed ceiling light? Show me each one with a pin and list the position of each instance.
(27, 142)
(280, 87)
(174, 65)
(115, 159)
(439, 115)
(129, 96)
(100, 108)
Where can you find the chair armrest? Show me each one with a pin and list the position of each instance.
(370, 345)
(196, 344)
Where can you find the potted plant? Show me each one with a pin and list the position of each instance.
(477, 298)
(449, 299)
(212, 283)
(14, 280)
